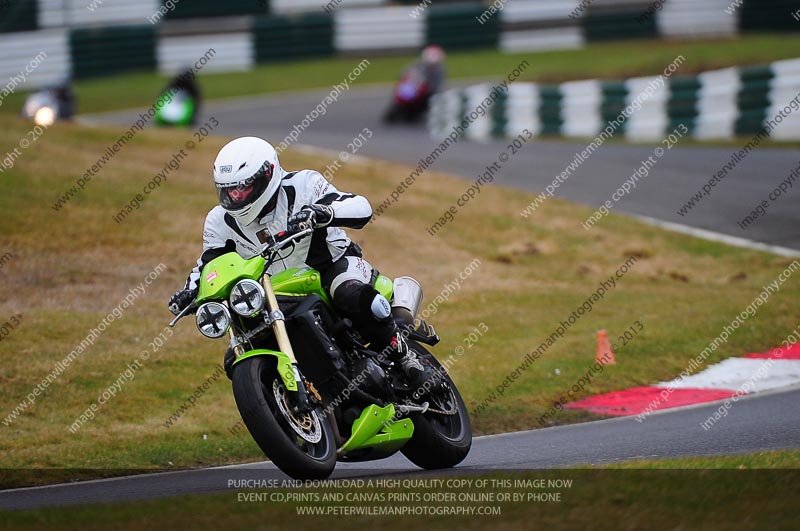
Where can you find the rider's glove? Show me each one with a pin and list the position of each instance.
(315, 216)
(182, 299)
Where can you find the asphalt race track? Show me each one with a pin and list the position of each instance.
(679, 174)
(768, 421)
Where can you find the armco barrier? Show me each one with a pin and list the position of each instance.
(19, 49)
(107, 51)
(18, 15)
(716, 104)
(619, 22)
(85, 13)
(457, 27)
(232, 52)
(281, 37)
(769, 15)
(377, 29)
(215, 8)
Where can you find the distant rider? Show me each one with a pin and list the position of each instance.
(431, 64)
(186, 83)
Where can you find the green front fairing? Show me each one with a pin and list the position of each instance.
(284, 365)
(299, 281)
(220, 275)
(305, 281)
(374, 428)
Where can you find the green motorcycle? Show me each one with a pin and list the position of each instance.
(179, 110)
(307, 385)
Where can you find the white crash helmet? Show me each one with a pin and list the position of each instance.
(247, 175)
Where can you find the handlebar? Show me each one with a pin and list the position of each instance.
(284, 239)
(186, 311)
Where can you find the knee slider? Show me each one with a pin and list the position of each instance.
(380, 307)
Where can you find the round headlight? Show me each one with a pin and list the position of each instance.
(45, 116)
(247, 298)
(213, 319)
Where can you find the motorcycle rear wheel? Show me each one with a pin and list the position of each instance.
(439, 441)
(302, 446)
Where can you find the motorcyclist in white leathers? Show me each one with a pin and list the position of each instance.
(258, 199)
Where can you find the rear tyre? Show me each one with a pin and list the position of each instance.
(302, 446)
(439, 441)
(392, 114)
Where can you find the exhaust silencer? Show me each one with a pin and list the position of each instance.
(406, 300)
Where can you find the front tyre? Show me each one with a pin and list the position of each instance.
(439, 441)
(302, 446)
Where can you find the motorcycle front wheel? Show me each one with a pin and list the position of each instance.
(300, 444)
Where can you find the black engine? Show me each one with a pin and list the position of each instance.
(370, 377)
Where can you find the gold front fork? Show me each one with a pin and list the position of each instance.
(278, 325)
(238, 350)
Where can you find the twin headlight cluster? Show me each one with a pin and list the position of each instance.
(247, 299)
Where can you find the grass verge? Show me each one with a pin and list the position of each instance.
(759, 460)
(68, 269)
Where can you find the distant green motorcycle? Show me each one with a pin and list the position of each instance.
(308, 387)
(177, 111)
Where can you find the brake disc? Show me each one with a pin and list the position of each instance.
(306, 426)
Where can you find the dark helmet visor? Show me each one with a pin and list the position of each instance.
(235, 196)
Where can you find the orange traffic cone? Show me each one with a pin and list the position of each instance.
(604, 355)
